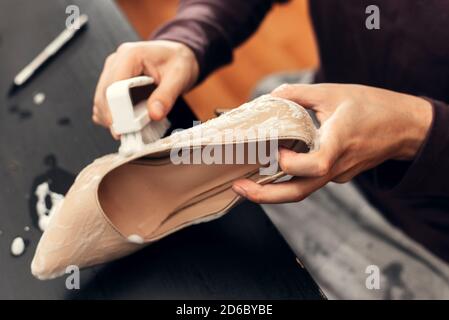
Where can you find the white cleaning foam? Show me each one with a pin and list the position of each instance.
(44, 214)
(39, 98)
(17, 246)
(130, 143)
(134, 238)
(133, 142)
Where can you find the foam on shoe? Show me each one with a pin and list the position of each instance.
(133, 142)
(134, 238)
(44, 214)
(130, 143)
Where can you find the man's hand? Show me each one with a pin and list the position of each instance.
(172, 65)
(361, 127)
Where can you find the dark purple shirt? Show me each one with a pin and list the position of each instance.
(410, 54)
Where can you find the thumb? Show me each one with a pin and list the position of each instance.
(307, 95)
(164, 96)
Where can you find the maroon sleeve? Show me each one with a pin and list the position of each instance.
(428, 173)
(212, 28)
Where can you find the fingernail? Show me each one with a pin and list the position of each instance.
(239, 190)
(158, 108)
(280, 88)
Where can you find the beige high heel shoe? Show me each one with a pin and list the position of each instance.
(117, 205)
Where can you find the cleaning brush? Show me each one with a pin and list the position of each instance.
(130, 118)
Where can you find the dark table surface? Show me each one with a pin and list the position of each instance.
(239, 256)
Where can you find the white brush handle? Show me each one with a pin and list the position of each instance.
(127, 118)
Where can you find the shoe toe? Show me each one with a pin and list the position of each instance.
(78, 235)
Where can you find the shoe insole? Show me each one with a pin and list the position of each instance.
(140, 196)
(151, 196)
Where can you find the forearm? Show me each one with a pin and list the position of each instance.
(427, 170)
(417, 120)
(213, 28)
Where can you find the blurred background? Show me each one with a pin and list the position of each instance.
(273, 48)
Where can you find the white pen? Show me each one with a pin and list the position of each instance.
(51, 49)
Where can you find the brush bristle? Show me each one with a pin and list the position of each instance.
(134, 141)
(155, 130)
